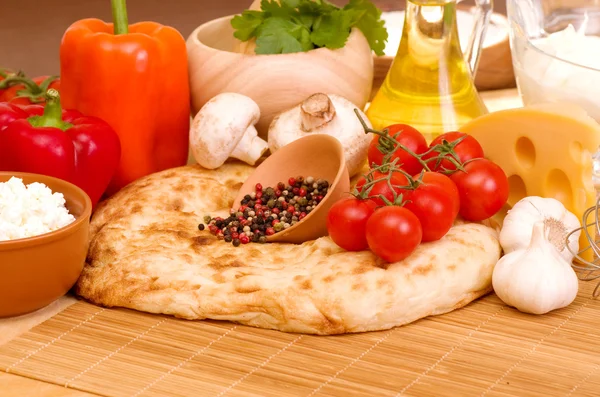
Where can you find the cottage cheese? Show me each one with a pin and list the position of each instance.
(30, 210)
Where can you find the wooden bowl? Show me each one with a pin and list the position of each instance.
(320, 156)
(36, 271)
(495, 69)
(275, 82)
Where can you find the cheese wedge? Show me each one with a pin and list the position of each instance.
(545, 150)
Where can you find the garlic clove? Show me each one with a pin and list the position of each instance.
(536, 279)
(518, 225)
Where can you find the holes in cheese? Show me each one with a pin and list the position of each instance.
(545, 150)
(525, 151)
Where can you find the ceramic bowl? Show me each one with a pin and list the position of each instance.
(36, 271)
(275, 82)
(320, 156)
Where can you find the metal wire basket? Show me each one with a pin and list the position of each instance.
(589, 271)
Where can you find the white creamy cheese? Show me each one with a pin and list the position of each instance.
(30, 210)
(543, 76)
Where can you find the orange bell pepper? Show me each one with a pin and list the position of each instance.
(136, 79)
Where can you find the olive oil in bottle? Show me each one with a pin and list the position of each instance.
(430, 84)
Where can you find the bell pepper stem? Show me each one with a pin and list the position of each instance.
(52, 116)
(119, 13)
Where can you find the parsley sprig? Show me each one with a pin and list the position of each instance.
(288, 26)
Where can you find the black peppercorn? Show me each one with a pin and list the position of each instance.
(268, 213)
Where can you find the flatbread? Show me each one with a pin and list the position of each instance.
(147, 254)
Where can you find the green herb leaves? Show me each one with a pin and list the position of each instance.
(287, 26)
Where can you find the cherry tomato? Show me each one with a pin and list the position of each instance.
(483, 189)
(393, 233)
(407, 136)
(446, 183)
(466, 149)
(382, 188)
(436, 203)
(347, 222)
(11, 94)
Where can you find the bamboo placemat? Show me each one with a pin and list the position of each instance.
(484, 349)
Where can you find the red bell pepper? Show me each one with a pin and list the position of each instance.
(21, 90)
(61, 143)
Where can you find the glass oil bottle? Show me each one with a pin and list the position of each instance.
(430, 85)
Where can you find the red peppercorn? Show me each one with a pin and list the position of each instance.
(243, 222)
(296, 191)
(240, 218)
(243, 208)
(270, 231)
(281, 186)
(276, 211)
(277, 193)
(302, 192)
(220, 234)
(259, 187)
(257, 206)
(259, 195)
(302, 216)
(235, 235)
(291, 181)
(260, 212)
(319, 198)
(291, 209)
(296, 213)
(275, 221)
(213, 229)
(244, 240)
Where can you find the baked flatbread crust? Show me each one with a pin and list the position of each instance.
(147, 254)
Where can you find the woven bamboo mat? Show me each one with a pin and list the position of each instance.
(484, 349)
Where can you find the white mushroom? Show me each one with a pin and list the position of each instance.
(224, 128)
(324, 114)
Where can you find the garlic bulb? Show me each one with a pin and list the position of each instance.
(536, 279)
(518, 225)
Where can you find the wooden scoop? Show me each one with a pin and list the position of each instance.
(320, 156)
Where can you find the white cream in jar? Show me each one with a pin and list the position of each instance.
(573, 77)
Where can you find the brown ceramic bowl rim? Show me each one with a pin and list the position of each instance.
(194, 37)
(58, 233)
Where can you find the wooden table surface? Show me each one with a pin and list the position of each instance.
(18, 386)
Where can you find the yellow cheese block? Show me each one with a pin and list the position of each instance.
(545, 150)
